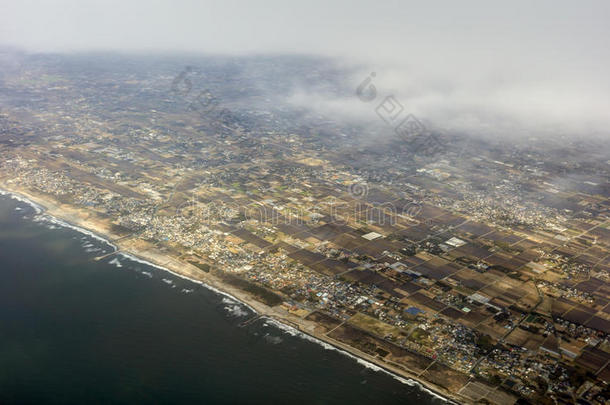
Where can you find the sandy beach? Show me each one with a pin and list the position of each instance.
(84, 220)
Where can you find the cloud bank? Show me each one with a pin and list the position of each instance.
(514, 69)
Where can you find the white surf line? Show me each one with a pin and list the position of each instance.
(287, 328)
(295, 332)
(84, 231)
(367, 364)
(182, 276)
(41, 211)
(16, 196)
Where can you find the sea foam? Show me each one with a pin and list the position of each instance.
(37, 208)
(268, 320)
(367, 364)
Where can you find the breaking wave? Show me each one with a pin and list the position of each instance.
(297, 333)
(37, 208)
(268, 320)
(234, 308)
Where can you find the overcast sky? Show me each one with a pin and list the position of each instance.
(474, 65)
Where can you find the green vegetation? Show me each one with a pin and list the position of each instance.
(267, 296)
(485, 342)
(201, 266)
(120, 229)
(419, 335)
(374, 326)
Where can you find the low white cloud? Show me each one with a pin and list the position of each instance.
(512, 105)
(508, 68)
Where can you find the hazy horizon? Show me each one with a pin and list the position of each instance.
(516, 69)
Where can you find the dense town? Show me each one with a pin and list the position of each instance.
(482, 269)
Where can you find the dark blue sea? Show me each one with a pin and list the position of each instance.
(75, 331)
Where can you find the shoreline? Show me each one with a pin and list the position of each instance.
(282, 319)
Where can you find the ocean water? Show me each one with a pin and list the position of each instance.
(75, 330)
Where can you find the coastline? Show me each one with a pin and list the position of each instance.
(78, 219)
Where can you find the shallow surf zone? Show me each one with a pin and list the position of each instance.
(41, 216)
(182, 276)
(297, 333)
(367, 364)
(271, 321)
(234, 308)
(18, 197)
(55, 221)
